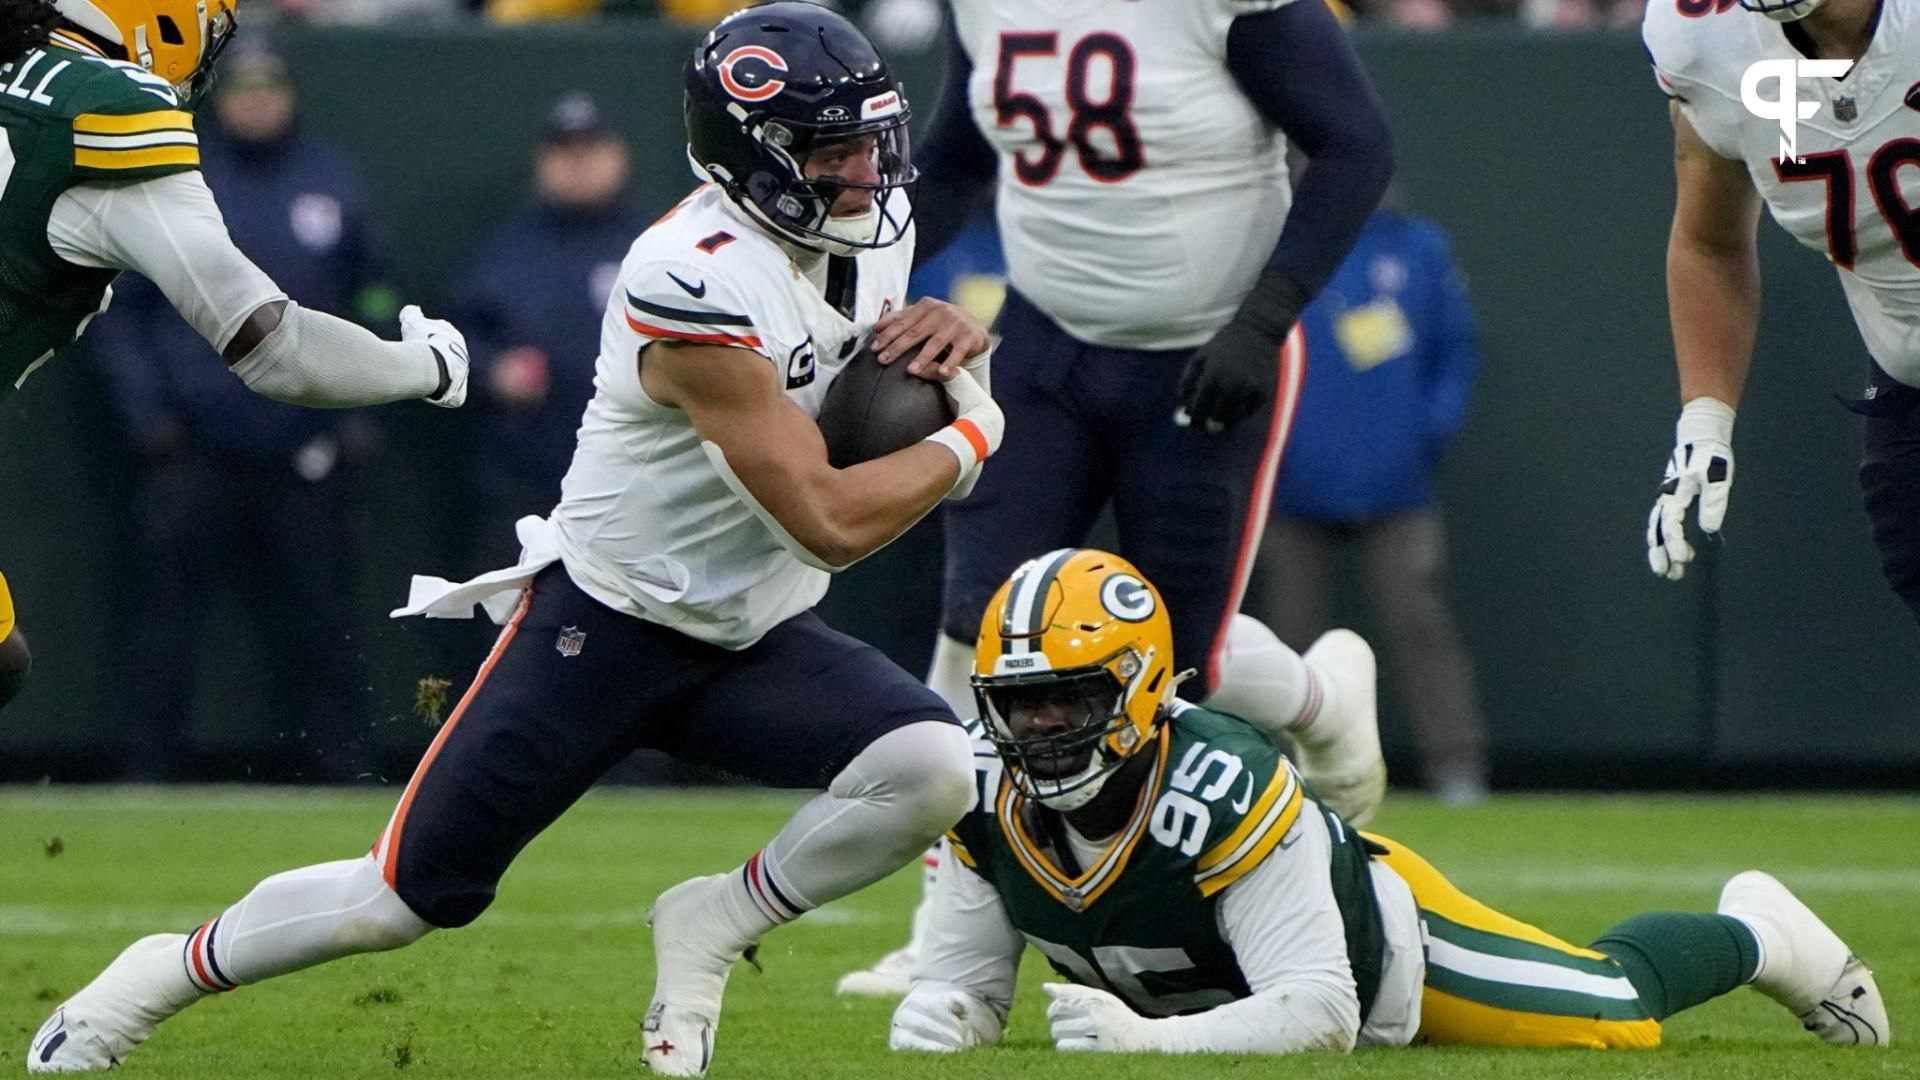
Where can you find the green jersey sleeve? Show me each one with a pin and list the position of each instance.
(1240, 785)
(128, 126)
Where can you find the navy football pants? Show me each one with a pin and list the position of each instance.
(541, 724)
(1087, 425)
(1890, 480)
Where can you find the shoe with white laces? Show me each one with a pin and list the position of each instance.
(1338, 751)
(1805, 966)
(889, 977)
(99, 1026)
(694, 950)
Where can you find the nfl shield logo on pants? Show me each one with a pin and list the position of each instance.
(570, 640)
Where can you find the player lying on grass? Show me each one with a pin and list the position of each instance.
(1168, 861)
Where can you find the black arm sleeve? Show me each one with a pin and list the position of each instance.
(1298, 68)
(957, 164)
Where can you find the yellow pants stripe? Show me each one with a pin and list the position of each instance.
(1452, 1018)
(6, 609)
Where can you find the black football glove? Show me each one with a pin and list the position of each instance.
(1231, 376)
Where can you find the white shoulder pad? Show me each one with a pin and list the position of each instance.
(677, 301)
(1700, 51)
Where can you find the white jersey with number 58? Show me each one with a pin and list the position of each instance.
(1854, 192)
(1140, 192)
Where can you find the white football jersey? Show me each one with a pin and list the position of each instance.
(1140, 192)
(1855, 192)
(646, 523)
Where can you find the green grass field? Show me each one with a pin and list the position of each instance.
(552, 980)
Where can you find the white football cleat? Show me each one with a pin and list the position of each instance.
(889, 977)
(99, 1026)
(1805, 966)
(1339, 751)
(693, 953)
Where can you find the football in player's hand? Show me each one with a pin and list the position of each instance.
(873, 409)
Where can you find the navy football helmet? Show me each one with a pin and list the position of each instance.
(767, 85)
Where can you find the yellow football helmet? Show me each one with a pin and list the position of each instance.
(177, 40)
(1083, 635)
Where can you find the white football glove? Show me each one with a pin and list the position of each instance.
(447, 343)
(942, 1021)
(1701, 467)
(1085, 1018)
(977, 427)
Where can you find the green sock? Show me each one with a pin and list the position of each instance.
(1678, 961)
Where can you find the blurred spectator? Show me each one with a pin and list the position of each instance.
(700, 13)
(1582, 14)
(520, 11)
(367, 12)
(531, 308)
(1391, 357)
(903, 26)
(236, 491)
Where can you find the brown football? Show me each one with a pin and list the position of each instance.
(873, 409)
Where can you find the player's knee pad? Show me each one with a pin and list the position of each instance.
(923, 771)
(381, 920)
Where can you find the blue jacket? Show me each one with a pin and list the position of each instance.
(299, 211)
(541, 280)
(1390, 364)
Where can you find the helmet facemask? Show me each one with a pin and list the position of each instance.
(799, 208)
(220, 28)
(1062, 734)
(1784, 11)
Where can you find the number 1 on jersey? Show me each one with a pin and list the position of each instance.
(1087, 115)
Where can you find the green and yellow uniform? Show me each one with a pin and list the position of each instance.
(1142, 920)
(1219, 800)
(68, 118)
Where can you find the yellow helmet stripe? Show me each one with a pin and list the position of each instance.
(1026, 612)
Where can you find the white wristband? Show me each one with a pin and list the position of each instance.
(1704, 419)
(966, 440)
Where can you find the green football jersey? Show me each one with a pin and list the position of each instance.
(68, 118)
(1141, 922)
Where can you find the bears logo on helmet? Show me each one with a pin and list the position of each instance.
(749, 84)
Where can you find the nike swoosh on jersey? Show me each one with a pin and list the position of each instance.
(694, 291)
(1290, 839)
(1246, 797)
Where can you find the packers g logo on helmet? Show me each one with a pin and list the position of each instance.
(1082, 633)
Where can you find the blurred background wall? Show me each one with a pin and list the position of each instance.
(1547, 157)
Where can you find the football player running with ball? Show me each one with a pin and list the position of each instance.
(1158, 258)
(1849, 187)
(1168, 862)
(667, 601)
